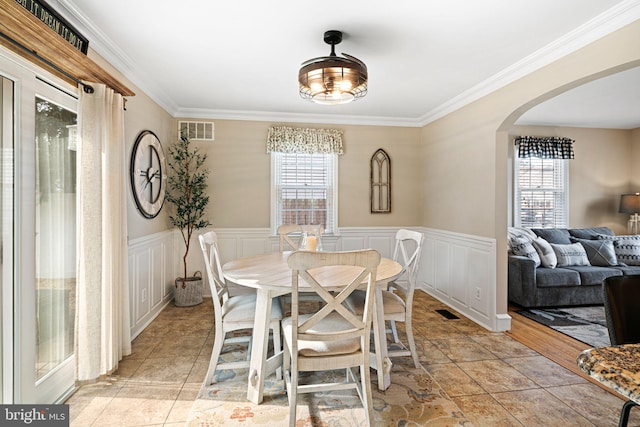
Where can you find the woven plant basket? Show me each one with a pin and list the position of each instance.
(191, 293)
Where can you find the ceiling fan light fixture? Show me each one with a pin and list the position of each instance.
(331, 80)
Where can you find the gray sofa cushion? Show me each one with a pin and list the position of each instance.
(628, 270)
(559, 236)
(590, 275)
(590, 233)
(554, 277)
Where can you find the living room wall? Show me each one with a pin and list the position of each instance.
(466, 153)
(599, 174)
(635, 159)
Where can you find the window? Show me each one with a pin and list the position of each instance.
(304, 189)
(541, 192)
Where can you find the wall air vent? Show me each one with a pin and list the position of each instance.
(203, 131)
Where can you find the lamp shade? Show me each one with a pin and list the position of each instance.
(630, 203)
(333, 79)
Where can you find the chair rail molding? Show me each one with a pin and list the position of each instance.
(457, 269)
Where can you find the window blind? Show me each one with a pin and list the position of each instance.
(304, 187)
(542, 192)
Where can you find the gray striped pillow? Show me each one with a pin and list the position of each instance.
(626, 247)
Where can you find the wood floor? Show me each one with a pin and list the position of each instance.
(550, 343)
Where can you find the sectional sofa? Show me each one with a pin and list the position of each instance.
(565, 267)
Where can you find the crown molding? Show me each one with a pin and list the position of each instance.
(611, 20)
(110, 52)
(266, 116)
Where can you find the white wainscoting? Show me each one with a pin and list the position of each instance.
(457, 269)
(460, 270)
(152, 266)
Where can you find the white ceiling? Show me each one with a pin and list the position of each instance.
(426, 58)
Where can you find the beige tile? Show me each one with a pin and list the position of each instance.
(143, 346)
(91, 410)
(538, 407)
(147, 390)
(184, 345)
(159, 382)
(503, 346)
(429, 354)
(453, 380)
(166, 369)
(127, 367)
(437, 330)
(126, 411)
(462, 349)
(189, 392)
(496, 376)
(199, 371)
(180, 411)
(595, 404)
(103, 388)
(469, 327)
(484, 411)
(544, 372)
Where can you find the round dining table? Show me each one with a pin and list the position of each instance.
(271, 276)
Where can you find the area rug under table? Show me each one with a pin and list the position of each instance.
(586, 324)
(413, 399)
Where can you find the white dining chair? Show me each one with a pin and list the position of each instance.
(289, 235)
(232, 313)
(333, 337)
(398, 298)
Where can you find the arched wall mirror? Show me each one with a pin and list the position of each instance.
(380, 193)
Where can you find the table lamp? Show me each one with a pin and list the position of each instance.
(630, 203)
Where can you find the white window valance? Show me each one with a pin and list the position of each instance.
(282, 139)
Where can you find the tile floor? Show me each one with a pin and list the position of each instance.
(495, 380)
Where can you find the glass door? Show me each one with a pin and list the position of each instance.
(7, 239)
(55, 233)
(38, 252)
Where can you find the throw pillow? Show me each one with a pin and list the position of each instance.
(590, 233)
(515, 233)
(554, 235)
(599, 252)
(570, 255)
(545, 251)
(626, 247)
(522, 246)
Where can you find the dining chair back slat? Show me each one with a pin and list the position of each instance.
(231, 313)
(332, 337)
(289, 235)
(398, 298)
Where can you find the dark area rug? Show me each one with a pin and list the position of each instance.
(586, 324)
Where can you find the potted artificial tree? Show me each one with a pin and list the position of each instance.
(186, 185)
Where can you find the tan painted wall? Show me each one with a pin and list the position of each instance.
(466, 154)
(142, 113)
(635, 161)
(239, 183)
(599, 174)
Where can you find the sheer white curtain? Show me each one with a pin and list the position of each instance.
(102, 304)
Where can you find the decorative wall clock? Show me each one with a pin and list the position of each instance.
(148, 174)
